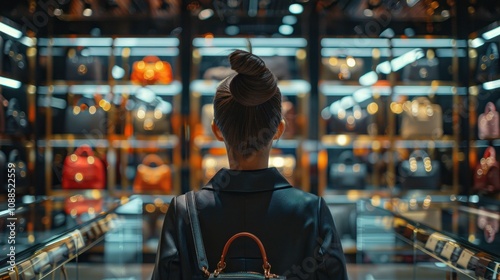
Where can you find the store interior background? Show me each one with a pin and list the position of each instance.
(348, 139)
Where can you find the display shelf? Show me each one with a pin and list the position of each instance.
(64, 87)
(343, 141)
(287, 87)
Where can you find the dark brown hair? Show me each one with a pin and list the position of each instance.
(247, 105)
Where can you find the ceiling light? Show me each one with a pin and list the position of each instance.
(10, 31)
(286, 29)
(296, 9)
(205, 14)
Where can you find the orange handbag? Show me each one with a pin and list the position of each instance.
(153, 175)
(82, 170)
(151, 70)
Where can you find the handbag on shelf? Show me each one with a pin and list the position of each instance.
(353, 120)
(86, 117)
(151, 114)
(83, 170)
(348, 172)
(419, 172)
(16, 121)
(487, 173)
(338, 68)
(81, 66)
(424, 69)
(201, 260)
(488, 64)
(153, 175)
(16, 64)
(151, 70)
(421, 118)
(489, 123)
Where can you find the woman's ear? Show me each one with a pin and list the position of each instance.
(216, 131)
(281, 129)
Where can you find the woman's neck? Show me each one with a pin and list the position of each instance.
(258, 160)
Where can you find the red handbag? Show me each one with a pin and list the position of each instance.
(488, 123)
(82, 170)
(487, 173)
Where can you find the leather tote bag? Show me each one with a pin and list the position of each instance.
(151, 114)
(86, 117)
(83, 170)
(81, 66)
(151, 70)
(348, 173)
(153, 175)
(16, 119)
(488, 123)
(421, 118)
(419, 172)
(487, 173)
(488, 63)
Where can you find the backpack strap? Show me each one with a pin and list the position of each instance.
(201, 257)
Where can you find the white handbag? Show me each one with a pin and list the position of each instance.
(421, 118)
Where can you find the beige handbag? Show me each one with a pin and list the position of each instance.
(421, 118)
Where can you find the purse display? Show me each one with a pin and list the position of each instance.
(419, 172)
(487, 173)
(83, 170)
(151, 70)
(488, 123)
(153, 175)
(348, 172)
(81, 66)
(16, 121)
(201, 258)
(421, 118)
(79, 204)
(86, 117)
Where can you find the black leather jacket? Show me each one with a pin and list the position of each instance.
(296, 228)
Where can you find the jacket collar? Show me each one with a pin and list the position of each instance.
(228, 180)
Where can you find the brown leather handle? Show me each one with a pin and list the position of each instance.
(266, 265)
(152, 158)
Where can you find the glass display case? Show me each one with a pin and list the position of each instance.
(434, 237)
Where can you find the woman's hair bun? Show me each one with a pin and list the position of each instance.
(255, 83)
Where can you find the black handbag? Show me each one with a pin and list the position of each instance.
(487, 65)
(348, 173)
(15, 61)
(86, 118)
(424, 69)
(81, 66)
(353, 120)
(16, 121)
(419, 172)
(201, 255)
(151, 114)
